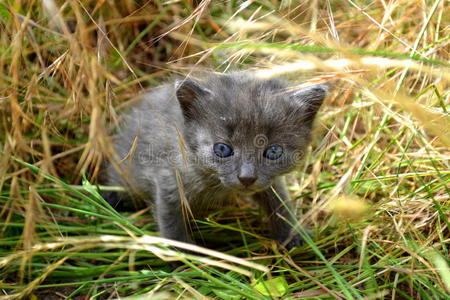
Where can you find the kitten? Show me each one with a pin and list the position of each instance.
(210, 139)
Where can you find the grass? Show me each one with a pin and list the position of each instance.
(374, 187)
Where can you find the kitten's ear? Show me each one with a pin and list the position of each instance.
(308, 100)
(187, 92)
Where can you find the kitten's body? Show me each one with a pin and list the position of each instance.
(175, 144)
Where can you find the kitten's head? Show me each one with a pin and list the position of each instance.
(247, 131)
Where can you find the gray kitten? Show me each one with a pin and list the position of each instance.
(205, 141)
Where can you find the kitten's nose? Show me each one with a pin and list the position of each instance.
(247, 174)
(247, 180)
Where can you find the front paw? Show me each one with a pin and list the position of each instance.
(294, 239)
(294, 242)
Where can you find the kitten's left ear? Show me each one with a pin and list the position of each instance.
(187, 92)
(308, 100)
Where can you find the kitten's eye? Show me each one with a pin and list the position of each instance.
(273, 152)
(222, 150)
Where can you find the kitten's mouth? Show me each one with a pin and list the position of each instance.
(245, 192)
(248, 191)
(241, 189)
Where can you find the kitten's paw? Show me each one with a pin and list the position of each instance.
(115, 199)
(295, 240)
(174, 265)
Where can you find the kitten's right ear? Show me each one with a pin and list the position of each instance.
(187, 92)
(308, 100)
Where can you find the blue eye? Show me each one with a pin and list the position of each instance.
(222, 150)
(273, 152)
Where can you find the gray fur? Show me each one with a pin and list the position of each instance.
(167, 142)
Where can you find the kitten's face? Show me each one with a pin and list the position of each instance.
(247, 131)
(249, 166)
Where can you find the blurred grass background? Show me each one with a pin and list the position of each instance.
(374, 187)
